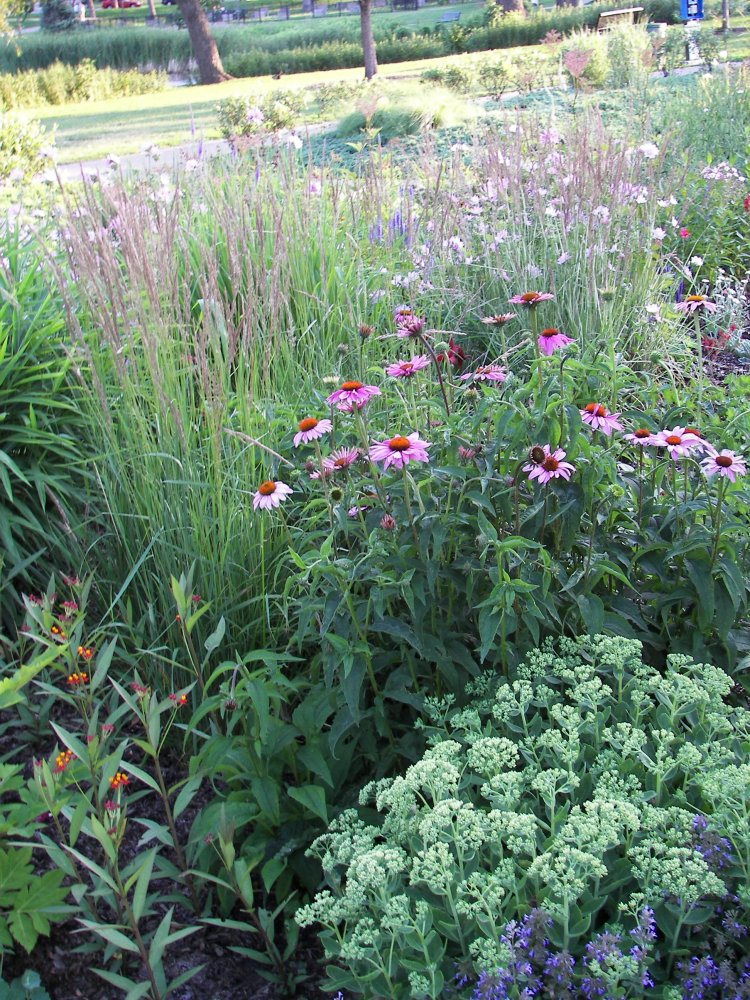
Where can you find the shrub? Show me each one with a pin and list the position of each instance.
(587, 785)
(62, 84)
(21, 144)
(495, 77)
(242, 117)
(629, 55)
(454, 78)
(586, 60)
(57, 15)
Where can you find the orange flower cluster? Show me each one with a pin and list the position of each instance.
(62, 760)
(178, 699)
(119, 779)
(56, 630)
(77, 680)
(86, 652)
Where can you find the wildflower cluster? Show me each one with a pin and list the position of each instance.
(592, 793)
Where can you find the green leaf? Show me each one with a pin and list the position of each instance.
(142, 885)
(214, 640)
(313, 797)
(111, 933)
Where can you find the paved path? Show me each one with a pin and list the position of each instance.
(161, 159)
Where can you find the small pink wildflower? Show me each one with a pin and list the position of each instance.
(270, 494)
(531, 299)
(546, 464)
(352, 396)
(388, 522)
(357, 509)
(679, 442)
(552, 339)
(725, 463)
(596, 416)
(405, 369)
(693, 303)
(399, 451)
(487, 373)
(310, 429)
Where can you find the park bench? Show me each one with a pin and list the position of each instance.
(626, 15)
(450, 15)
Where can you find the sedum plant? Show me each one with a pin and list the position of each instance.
(586, 787)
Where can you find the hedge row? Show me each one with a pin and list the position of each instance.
(245, 54)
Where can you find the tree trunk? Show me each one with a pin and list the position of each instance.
(725, 15)
(210, 68)
(569, 3)
(152, 9)
(512, 6)
(92, 9)
(368, 39)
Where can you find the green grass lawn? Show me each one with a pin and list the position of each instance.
(180, 114)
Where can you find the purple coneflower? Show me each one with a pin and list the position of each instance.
(552, 339)
(310, 429)
(725, 463)
(498, 320)
(399, 451)
(352, 396)
(679, 442)
(692, 303)
(270, 494)
(341, 459)
(487, 373)
(546, 464)
(405, 369)
(410, 326)
(596, 416)
(531, 299)
(641, 437)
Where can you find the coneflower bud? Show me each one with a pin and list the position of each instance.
(388, 522)
(537, 454)
(366, 331)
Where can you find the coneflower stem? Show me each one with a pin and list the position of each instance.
(431, 352)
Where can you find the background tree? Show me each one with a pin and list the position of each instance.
(368, 39)
(725, 15)
(8, 10)
(205, 50)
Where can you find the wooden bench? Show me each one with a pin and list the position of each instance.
(450, 15)
(626, 15)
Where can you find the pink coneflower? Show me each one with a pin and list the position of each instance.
(546, 464)
(498, 320)
(531, 299)
(399, 451)
(596, 416)
(310, 429)
(342, 458)
(552, 339)
(352, 396)
(725, 463)
(487, 373)
(641, 437)
(410, 326)
(693, 303)
(388, 522)
(679, 442)
(405, 369)
(270, 494)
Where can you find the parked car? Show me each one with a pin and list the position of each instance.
(113, 4)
